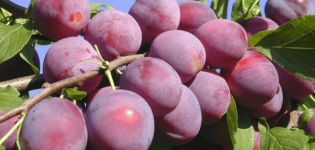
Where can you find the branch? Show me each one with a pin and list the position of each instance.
(25, 83)
(17, 10)
(55, 87)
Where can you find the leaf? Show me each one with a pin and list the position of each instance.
(159, 146)
(5, 16)
(202, 1)
(74, 94)
(12, 40)
(279, 138)
(244, 136)
(244, 9)
(27, 55)
(306, 116)
(220, 8)
(291, 46)
(311, 142)
(94, 8)
(231, 118)
(307, 103)
(9, 98)
(29, 11)
(2, 147)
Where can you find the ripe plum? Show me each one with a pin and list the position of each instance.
(180, 48)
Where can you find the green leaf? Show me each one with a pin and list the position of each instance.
(244, 9)
(94, 8)
(2, 147)
(279, 138)
(291, 46)
(220, 8)
(244, 136)
(159, 146)
(263, 126)
(307, 103)
(27, 55)
(5, 16)
(29, 11)
(202, 1)
(12, 40)
(306, 116)
(311, 142)
(9, 98)
(231, 118)
(74, 94)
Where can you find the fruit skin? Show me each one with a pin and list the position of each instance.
(54, 123)
(225, 42)
(65, 59)
(294, 86)
(213, 95)
(120, 119)
(182, 124)
(115, 33)
(58, 19)
(282, 11)
(193, 14)
(257, 24)
(4, 129)
(269, 109)
(156, 81)
(253, 81)
(16, 67)
(180, 48)
(155, 17)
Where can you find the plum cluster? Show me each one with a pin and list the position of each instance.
(178, 93)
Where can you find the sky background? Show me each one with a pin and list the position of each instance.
(122, 5)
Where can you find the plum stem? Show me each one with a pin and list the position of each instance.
(312, 98)
(119, 72)
(7, 135)
(110, 79)
(99, 53)
(23, 115)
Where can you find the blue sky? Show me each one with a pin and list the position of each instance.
(122, 5)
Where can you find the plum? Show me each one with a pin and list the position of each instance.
(58, 19)
(225, 42)
(119, 119)
(294, 86)
(269, 109)
(213, 95)
(115, 33)
(67, 58)
(54, 123)
(193, 14)
(253, 81)
(4, 129)
(155, 17)
(282, 11)
(257, 24)
(180, 48)
(182, 124)
(156, 81)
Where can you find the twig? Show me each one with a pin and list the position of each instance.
(54, 87)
